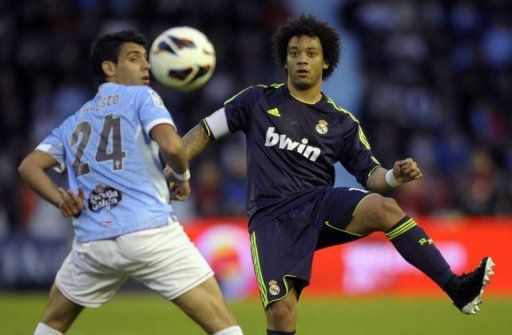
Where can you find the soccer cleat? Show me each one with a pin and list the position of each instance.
(466, 290)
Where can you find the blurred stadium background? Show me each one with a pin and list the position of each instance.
(428, 79)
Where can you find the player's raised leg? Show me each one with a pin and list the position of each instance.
(206, 306)
(378, 213)
(59, 314)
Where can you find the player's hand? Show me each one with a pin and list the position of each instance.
(406, 170)
(180, 190)
(71, 204)
(171, 181)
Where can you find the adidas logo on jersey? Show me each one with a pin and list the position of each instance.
(284, 142)
(274, 111)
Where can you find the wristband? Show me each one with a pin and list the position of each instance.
(391, 180)
(182, 176)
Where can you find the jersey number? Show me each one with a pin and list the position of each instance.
(111, 133)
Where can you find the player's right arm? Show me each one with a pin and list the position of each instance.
(196, 140)
(159, 126)
(234, 116)
(32, 171)
(174, 153)
(210, 128)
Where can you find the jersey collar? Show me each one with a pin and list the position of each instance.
(323, 99)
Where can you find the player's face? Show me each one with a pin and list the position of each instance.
(132, 68)
(305, 62)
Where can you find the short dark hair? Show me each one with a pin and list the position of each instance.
(310, 26)
(107, 48)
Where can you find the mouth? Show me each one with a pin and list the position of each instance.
(302, 72)
(145, 79)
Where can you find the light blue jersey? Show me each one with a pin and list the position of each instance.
(105, 146)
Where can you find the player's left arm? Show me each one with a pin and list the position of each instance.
(403, 171)
(32, 171)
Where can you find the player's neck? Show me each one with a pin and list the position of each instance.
(309, 96)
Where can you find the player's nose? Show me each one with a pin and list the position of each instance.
(302, 58)
(146, 65)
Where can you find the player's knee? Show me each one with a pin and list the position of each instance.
(281, 314)
(385, 212)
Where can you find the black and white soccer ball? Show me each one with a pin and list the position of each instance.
(182, 58)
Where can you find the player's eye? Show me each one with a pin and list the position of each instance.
(293, 53)
(312, 53)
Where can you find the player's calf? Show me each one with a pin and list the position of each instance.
(205, 305)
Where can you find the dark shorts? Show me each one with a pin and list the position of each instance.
(283, 247)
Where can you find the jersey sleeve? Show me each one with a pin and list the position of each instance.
(152, 110)
(54, 146)
(238, 109)
(355, 153)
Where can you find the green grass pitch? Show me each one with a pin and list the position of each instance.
(140, 313)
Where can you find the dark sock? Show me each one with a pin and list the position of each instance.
(278, 332)
(419, 250)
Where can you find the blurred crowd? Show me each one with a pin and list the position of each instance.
(45, 76)
(437, 88)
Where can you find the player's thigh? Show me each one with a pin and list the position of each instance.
(89, 275)
(165, 260)
(282, 252)
(336, 211)
(205, 305)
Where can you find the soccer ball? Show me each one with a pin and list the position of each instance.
(182, 58)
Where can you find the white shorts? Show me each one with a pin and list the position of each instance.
(161, 258)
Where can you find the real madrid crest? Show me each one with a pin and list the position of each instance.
(321, 127)
(273, 288)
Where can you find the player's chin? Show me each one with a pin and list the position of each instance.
(302, 83)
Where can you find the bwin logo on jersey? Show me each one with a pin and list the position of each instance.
(272, 138)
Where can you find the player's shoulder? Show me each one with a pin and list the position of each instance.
(139, 91)
(255, 92)
(339, 111)
(70, 123)
(132, 91)
(142, 94)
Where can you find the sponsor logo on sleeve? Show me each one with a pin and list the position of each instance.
(156, 99)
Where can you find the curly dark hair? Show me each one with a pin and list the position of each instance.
(107, 48)
(310, 26)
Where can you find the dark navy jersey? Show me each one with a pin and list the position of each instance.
(291, 146)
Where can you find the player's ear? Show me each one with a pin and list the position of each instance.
(325, 65)
(109, 68)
